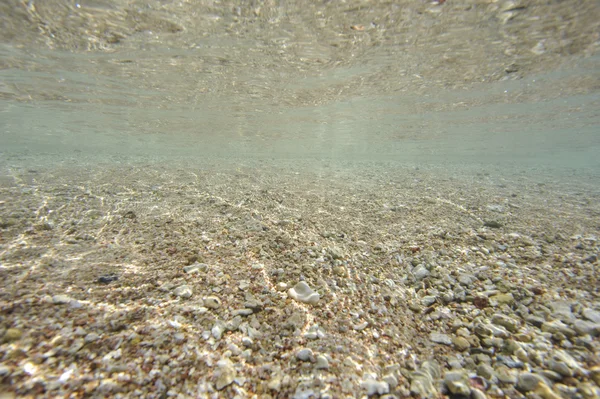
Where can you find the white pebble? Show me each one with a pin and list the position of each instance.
(303, 293)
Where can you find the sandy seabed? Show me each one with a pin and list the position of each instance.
(173, 280)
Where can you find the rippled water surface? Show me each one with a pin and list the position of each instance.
(475, 82)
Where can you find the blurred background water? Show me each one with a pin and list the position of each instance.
(475, 82)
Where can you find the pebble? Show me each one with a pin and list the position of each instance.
(183, 291)
(457, 382)
(212, 302)
(591, 315)
(509, 323)
(439, 338)
(218, 329)
(374, 387)
(322, 362)
(423, 381)
(461, 343)
(528, 382)
(61, 299)
(428, 300)
(305, 355)
(303, 293)
(12, 334)
(420, 272)
(196, 267)
(502, 299)
(225, 374)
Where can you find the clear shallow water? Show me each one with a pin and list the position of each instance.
(291, 88)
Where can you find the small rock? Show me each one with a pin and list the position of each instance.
(322, 362)
(457, 383)
(12, 334)
(218, 329)
(242, 312)
(584, 327)
(428, 300)
(196, 267)
(91, 337)
(107, 278)
(461, 343)
(505, 375)
(212, 302)
(420, 272)
(591, 315)
(226, 375)
(61, 299)
(509, 323)
(375, 387)
(502, 299)
(183, 291)
(303, 293)
(528, 382)
(423, 381)
(391, 380)
(486, 371)
(305, 355)
(439, 338)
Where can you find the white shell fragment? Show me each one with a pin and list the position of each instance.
(303, 293)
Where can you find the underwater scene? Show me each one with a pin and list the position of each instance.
(300, 199)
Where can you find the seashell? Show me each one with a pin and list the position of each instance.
(303, 293)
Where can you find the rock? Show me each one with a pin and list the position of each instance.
(591, 315)
(306, 355)
(183, 291)
(560, 368)
(482, 330)
(561, 310)
(428, 300)
(303, 293)
(556, 326)
(423, 381)
(420, 272)
(477, 394)
(505, 375)
(109, 386)
(91, 337)
(212, 302)
(439, 338)
(457, 382)
(584, 327)
(242, 312)
(218, 329)
(322, 362)
(391, 380)
(12, 334)
(225, 374)
(509, 323)
(528, 382)
(196, 267)
(502, 299)
(461, 344)
(61, 299)
(486, 371)
(375, 387)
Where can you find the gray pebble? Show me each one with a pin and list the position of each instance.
(528, 382)
(322, 362)
(212, 302)
(183, 291)
(509, 323)
(591, 315)
(420, 272)
(375, 387)
(305, 355)
(439, 338)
